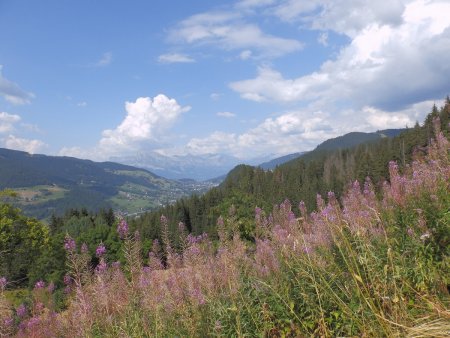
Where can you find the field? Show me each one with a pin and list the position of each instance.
(40, 194)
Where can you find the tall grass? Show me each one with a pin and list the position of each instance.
(361, 266)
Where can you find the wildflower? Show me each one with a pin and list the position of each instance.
(425, 236)
(3, 283)
(39, 307)
(67, 280)
(307, 249)
(218, 325)
(32, 322)
(101, 267)
(51, 287)
(302, 208)
(410, 232)
(69, 244)
(258, 211)
(122, 229)
(39, 284)
(21, 311)
(100, 251)
(84, 248)
(9, 321)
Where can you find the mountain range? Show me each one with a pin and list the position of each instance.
(47, 184)
(197, 167)
(51, 184)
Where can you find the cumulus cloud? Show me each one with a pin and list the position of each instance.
(388, 67)
(335, 14)
(12, 92)
(175, 58)
(145, 126)
(284, 134)
(7, 122)
(146, 120)
(226, 114)
(302, 130)
(227, 30)
(17, 143)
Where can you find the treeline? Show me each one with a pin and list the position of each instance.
(319, 171)
(31, 250)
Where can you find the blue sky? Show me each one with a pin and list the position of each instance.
(249, 78)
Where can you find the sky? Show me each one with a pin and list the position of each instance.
(245, 78)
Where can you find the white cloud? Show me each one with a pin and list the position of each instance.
(323, 39)
(242, 4)
(147, 120)
(245, 55)
(7, 122)
(105, 60)
(145, 126)
(82, 104)
(384, 66)
(12, 92)
(175, 58)
(227, 30)
(226, 114)
(17, 143)
(287, 133)
(342, 16)
(215, 96)
(301, 130)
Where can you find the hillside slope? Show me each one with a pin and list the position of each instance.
(49, 183)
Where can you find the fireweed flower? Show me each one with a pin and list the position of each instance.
(122, 229)
(67, 280)
(69, 244)
(101, 267)
(39, 285)
(100, 251)
(9, 322)
(51, 287)
(21, 311)
(84, 248)
(3, 283)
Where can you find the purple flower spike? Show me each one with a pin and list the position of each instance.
(69, 244)
(122, 229)
(21, 311)
(100, 251)
(84, 248)
(39, 284)
(3, 283)
(67, 280)
(51, 287)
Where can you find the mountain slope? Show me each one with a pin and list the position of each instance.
(354, 138)
(48, 183)
(330, 167)
(201, 167)
(272, 164)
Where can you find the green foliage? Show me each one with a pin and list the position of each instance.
(22, 240)
(331, 167)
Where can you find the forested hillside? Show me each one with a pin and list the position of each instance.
(317, 172)
(49, 185)
(371, 260)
